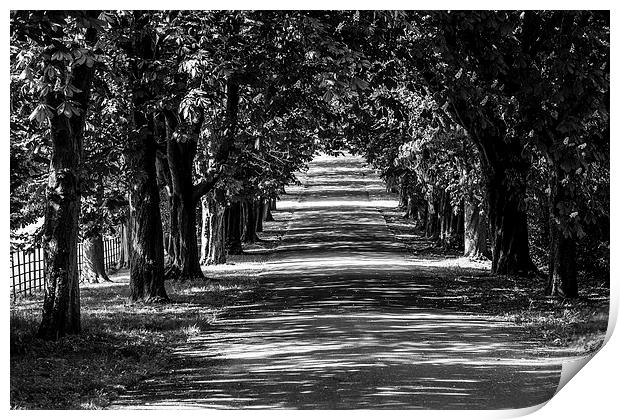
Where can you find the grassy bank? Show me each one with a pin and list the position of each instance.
(576, 325)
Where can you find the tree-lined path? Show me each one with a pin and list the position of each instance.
(343, 318)
(174, 134)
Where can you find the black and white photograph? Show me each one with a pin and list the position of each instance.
(319, 209)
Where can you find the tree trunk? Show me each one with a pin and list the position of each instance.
(508, 222)
(61, 305)
(249, 222)
(421, 216)
(233, 234)
(273, 204)
(181, 147)
(475, 237)
(93, 264)
(562, 264)
(217, 254)
(268, 208)
(445, 221)
(123, 259)
(61, 302)
(563, 246)
(244, 219)
(391, 185)
(402, 194)
(213, 237)
(259, 209)
(146, 262)
(164, 180)
(169, 227)
(457, 228)
(409, 206)
(432, 220)
(505, 171)
(206, 230)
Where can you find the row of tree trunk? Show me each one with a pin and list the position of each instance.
(505, 226)
(213, 245)
(465, 225)
(505, 169)
(225, 229)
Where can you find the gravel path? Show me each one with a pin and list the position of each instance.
(333, 324)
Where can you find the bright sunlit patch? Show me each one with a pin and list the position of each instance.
(341, 204)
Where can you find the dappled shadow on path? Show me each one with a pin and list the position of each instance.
(341, 319)
(355, 360)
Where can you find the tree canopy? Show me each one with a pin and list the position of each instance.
(481, 121)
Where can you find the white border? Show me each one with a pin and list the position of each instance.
(592, 394)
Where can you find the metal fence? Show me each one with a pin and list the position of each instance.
(111, 252)
(28, 267)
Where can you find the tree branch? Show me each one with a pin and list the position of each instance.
(204, 186)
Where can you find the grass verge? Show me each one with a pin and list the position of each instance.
(122, 344)
(575, 325)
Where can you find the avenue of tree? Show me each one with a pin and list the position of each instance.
(178, 130)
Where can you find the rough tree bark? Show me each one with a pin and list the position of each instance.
(249, 222)
(408, 199)
(422, 216)
(431, 230)
(181, 150)
(233, 229)
(61, 302)
(93, 264)
(402, 198)
(207, 229)
(259, 208)
(258, 219)
(475, 237)
(508, 222)
(562, 279)
(458, 225)
(123, 258)
(213, 249)
(505, 171)
(409, 207)
(267, 211)
(164, 182)
(146, 262)
(445, 220)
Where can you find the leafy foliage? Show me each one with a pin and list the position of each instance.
(436, 101)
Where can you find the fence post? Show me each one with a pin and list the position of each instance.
(13, 278)
(44, 268)
(37, 267)
(79, 263)
(41, 271)
(30, 256)
(108, 252)
(105, 254)
(19, 274)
